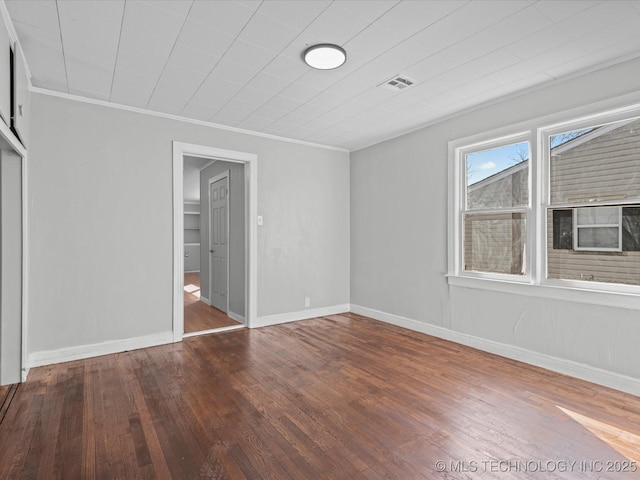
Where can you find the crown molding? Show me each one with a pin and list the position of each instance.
(178, 118)
(4, 13)
(500, 99)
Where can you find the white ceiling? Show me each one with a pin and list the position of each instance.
(238, 63)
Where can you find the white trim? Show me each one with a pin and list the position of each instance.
(599, 131)
(501, 99)
(277, 319)
(577, 226)
(168, 116)
(25, 269)
(213, 330)
(250, 162)
(605, 112)
(178, 240)
(236, 317)
(14, 38)
(12, 142)
(204, 300)
(226, 174)
(457, 202)
(48, 357)
(535, 282)
(567, 367)
(576, 291)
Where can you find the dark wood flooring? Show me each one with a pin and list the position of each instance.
(342, 397)
(199, 316)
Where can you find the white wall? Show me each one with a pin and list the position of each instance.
(100, 218)
(399, 242)
(10, 267)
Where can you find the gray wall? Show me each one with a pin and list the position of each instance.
(399, 238)
(236, 250)
(101, 270)
(10, 267)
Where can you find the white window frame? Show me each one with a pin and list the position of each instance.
(577, 226)
(460, 150)
(535, 282)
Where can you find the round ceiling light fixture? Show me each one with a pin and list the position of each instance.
(325, 56)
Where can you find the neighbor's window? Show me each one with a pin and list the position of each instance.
(494, 210)
(593, 218)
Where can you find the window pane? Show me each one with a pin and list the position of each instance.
(562, 233)
(588, 265)
(498, 177)
(601, 163)
(495, 243)
(598, 237)
(631, 229)
(598, 216)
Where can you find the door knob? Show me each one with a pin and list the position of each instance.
(211, 251)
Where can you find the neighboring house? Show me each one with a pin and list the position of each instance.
(494, 243)
(600, 243)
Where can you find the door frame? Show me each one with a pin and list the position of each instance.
(226, 174)
(250, 161)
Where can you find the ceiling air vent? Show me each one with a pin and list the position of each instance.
(397, 83)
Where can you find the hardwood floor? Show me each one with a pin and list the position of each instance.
(342, 397)
(7, 392)
(199, 316)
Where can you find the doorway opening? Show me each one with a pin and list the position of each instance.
(214, 240)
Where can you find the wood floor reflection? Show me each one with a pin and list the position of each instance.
(199, 316)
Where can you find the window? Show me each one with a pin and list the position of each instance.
(565, 213)
(598, 229)
(594, 176)
(494, 216)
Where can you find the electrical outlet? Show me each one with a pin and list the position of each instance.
(307, 302)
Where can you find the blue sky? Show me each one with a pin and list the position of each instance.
(481, 165)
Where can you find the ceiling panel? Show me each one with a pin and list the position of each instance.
(410, 18)
(192, 60)
(43, 48)
(297, 15)
(227, 16)
(176, 7)
(198, 111)
(239, 63)
(269, 83)
(42, 14)
(201, 38)
(268, 33)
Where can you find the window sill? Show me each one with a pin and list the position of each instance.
(550, 291)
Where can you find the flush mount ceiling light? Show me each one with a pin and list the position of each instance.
(325, 56)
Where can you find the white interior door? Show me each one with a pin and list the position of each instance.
(218, 243)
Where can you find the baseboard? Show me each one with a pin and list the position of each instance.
(300, 315)
(205, 300)
(568, 367)
(48, 357)
(236, 317)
